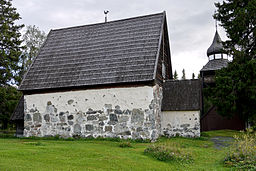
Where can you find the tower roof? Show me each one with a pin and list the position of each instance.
(216, 46)
(214, 65)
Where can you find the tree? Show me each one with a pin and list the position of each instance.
(199, 76)
(175, 76)
(33, 39)
(235, 90)
(9, 97)
(193, 76)
(183, 75)
(10, 52)
(10, 43)
(238, 19)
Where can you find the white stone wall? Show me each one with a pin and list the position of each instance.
(181, 123)
(132, 112)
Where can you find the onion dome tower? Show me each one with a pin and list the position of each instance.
(216, 46)
(217, 59)
(210, 119)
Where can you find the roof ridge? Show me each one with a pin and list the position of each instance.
(142, 16)
(172, 80)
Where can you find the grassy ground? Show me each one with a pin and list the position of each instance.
(39, 154)
(221, 133)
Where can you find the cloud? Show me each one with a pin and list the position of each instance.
(190, 23)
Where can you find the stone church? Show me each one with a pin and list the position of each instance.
(111, 79)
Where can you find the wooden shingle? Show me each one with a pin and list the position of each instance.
(215, 64)
(122, 51)
(181, 95)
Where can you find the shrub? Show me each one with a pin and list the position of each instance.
(242, 154)
(204, 134)
(167, 153)
(125, 144)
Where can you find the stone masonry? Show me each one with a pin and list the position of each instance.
(181, 123)
(75, 115)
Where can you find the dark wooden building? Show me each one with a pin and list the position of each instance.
(18, 117)
(181, 108)
(210, 119)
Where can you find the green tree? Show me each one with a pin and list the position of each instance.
(33, 39)
(10, 52)
(238, 19)
(193, 76)
(235, 90)
(199, 76)
(183, 75)
(9, 97)
(10, 43)
(175, 75)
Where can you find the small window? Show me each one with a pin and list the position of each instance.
(211, 57)
(163, 70)
(218, 56)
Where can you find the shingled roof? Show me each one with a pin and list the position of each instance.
(215, 64)
(18, 113)
(120, 51)
(181, 95)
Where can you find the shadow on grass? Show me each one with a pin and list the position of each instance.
(76, 138)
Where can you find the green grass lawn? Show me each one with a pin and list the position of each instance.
(221, 133)
(40, 154)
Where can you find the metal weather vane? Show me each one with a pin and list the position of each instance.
(106, 15)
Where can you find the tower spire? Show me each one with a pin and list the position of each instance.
(216, 24)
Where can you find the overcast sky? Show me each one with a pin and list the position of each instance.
(190, 24)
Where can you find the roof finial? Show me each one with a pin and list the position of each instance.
(216, 25)
(106, 15)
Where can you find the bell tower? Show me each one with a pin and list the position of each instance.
(217, 59)
(210, 119)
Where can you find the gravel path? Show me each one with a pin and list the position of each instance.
(220, 142)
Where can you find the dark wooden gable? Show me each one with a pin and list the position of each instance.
(164, 65)
(18, 113)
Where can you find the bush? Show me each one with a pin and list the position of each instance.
(125, 144)
(204, 134)
(7, 133)
(167, 153)
(242, 153)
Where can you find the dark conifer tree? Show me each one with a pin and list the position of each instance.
(235, 90)
(10, 43)
(10, 52)
(193, 76)
(175, 75)
(183, 75)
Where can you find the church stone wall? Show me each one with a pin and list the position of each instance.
(132, 112)
(180, 123)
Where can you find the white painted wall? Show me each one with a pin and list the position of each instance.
(183, 123)
(141, 121)
(126, 98)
